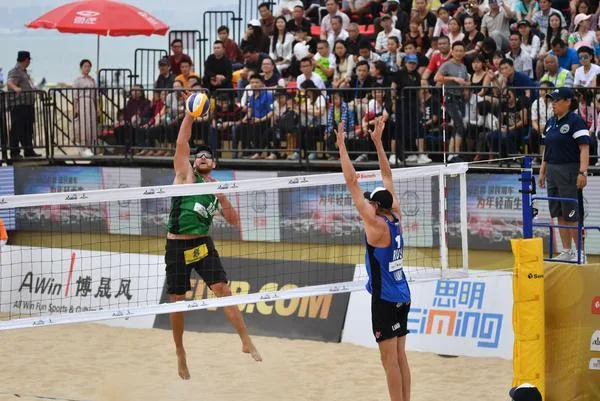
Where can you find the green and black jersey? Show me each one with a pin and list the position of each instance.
(192, 214)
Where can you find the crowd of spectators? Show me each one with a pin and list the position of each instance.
(306, 65)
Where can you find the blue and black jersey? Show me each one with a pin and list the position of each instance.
(385, 267)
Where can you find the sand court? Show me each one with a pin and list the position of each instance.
(102, 363)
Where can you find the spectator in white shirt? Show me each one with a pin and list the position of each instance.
(441, 24)
(455, 33)
(280, 49)
(306, 66)
(332, 9)
(530, 42)
(541, 112)
(584, 75)
(286, 8)
(521, 59)
(496, 23)
(365, 52)
(337, 32)
(383, 36)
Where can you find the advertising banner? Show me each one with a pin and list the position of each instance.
(64, 218)
(471, 317)
(7, 187)
(318, 317)
(259, 210)
(46, 281)
(124, 217)
(494, 206)
(326, 214)
(572, 319)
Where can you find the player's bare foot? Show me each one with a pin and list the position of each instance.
(249, 348)
(182, 368)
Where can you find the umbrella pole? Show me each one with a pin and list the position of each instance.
(98, 54)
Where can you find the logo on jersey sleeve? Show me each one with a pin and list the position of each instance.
(207, 211)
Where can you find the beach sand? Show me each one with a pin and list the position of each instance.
(98, 362)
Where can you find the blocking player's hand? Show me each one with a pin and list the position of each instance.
(340, 134)
(378, 131)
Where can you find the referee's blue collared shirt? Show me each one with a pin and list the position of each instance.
(563, 138)
(261, 105)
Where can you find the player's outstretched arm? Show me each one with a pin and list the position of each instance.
(367, 213)
(384, 165)
(181, 161)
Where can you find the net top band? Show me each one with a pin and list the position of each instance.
(260, 184)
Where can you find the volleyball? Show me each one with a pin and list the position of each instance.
(198, 105)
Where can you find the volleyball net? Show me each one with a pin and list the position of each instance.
(98, 255)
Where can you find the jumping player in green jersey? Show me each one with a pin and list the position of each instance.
(189, 246)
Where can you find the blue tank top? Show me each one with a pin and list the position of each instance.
(385, 267)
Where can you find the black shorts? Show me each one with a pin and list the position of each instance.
(561, 182)
(389, 319)
(184, 255)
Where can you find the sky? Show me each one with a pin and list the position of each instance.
(56, 56)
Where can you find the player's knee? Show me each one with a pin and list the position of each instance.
(221, 289)
(176, 297)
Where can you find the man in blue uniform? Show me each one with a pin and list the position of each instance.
(565, 164)
(387, 284)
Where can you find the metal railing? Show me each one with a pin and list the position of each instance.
(104, 121)
(24, 125)
(146, 66)
(490, 122)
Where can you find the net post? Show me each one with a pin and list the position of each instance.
(464, 231)
(527, 187)
(442, 218)
(580, 229)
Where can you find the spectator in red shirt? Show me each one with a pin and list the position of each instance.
(437, 59)
(177, 57)
(232, 50)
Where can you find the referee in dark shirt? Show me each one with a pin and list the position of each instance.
(565, 164)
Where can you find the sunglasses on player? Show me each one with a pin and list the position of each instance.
(204, 154)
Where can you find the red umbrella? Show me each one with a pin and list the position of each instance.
(100, 17)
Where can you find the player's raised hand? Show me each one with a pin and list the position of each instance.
(378, 131)
(340, 133)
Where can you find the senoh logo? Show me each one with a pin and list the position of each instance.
(86, 17)
(595, 341)
(365, 176)
(534, 276)
(596, 305)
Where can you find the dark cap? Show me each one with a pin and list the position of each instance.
(524, 22)
(385, 16)
(563, 93)
(204, 148)
(381, 196)
(525, 392)
(163, 61)
(23, 55)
